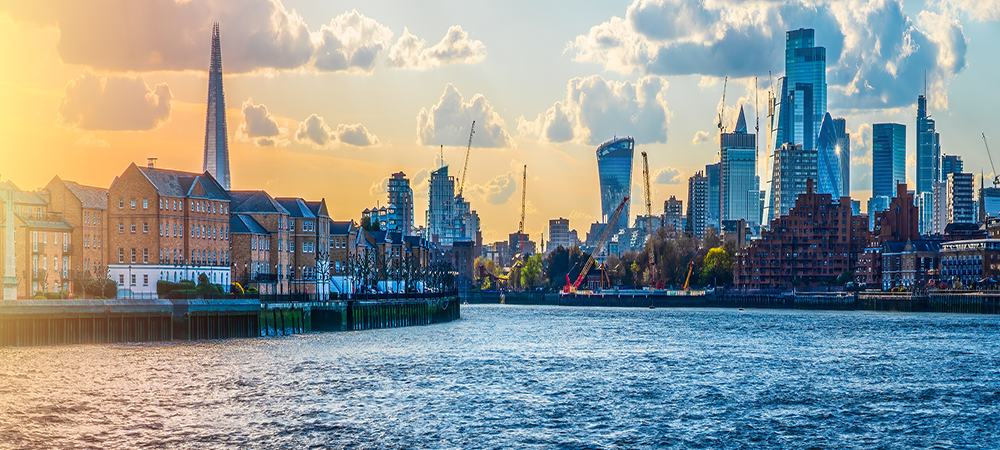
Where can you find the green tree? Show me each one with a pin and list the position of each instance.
(370, 225)
(717, 268)
(531, 273)
(561, 262)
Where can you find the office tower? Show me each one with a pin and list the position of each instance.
(843, 154)
(888, 158)
(401, 197)
(614, 166)
(673, 213)
(961, 207)
(697, 210)
(560, 235)
(216, 139)
(828, 171)
(739, 186)
(794, 166)
(928, 150)
(940, 219)
(925, 202)
(713, 175)
(951, 164)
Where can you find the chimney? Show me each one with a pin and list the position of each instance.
(151, 163)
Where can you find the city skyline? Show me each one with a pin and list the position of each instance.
(298, 122)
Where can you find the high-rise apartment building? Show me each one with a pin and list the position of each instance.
(961, 207)
(951, 164)
(614, 167)
(450, 217)
(697, 210)
(560, 235)
(828, 172)
(888, 158)
(673, 213)
(739, 186)
(794, 166)
(216, 139)
(713, 176)
(843, 154)
(928, 150)
(401, 197)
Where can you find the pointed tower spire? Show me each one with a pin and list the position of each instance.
(741, 123)
(216, 138)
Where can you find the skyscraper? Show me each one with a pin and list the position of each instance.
(440, 206)
(829, 169)
(844, 154)
(928, 149)
(888, 158)
(794, 166)
(697, 210)
(614, 167)
(216, 139)
(961, 208)
(805, 84)
(739, 186)
(951, 164)
(713, 178)
(401, 196)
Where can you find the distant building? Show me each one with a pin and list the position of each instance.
(989, 203)
(928, 150)
(308, 246)
(969, 261)
(560, 235)
(697, 210)
(925, 202)
(739, 185)
(843, 154)
(713, 175)
(520, 244)
(450, 217)
(794, 166)
(888, 158)
(42, 243)
(828, 171)
(877, 204)
(673, 214)
(614, 166)
(216, 137)
(951, 164)
(401, 198)
(961, 208)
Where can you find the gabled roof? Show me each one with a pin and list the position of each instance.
(25, 197)
(174, 183)
(255, 202)
(318, 208)
(296, 207)
(90, 197)
(244, 224)
(341, 226)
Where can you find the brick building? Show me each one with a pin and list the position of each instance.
(84, 208)
(970, 261)
(251, 254)
(273, 218)
(42, 242)
(818, 240)
(343, 242)
(309, 240)
(166, 225)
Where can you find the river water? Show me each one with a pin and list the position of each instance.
(529, 377)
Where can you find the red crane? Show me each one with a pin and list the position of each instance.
(612, 224)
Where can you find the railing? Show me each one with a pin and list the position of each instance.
(294, 298)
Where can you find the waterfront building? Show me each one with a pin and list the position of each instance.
(960, 206)
(343, 244)
(614, 167)
(251, 253)
(273, 218)
(166, 225)
(843, 154)
(969, 261)
(817, 241)
(401, 198)
(738, 183)
(84, 208)
(794, 167)
(41, 245)
(928, 150)
(910, 263)
(828, 171)
(560, 235)
(697, 212)
(308, 246)
(449, 216)
(951, 164)
(216, 137)
(888, 158)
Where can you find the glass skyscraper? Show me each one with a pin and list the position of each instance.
(828, 170)
(216, 139)
(844, 154)
(739, 183)
(614, 167)
(888, 158)
(805, 84)
(713, 174)
(951, 164)
(928, 150)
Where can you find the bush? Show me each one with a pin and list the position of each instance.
(164, 288)
(252, 290)
(39, 297)
(183, 294)
(52, 295)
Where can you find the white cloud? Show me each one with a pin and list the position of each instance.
(351, 42)
(594, 110)
(448, 122)
(259, 126)
(411, 52)
(981, 10)
(667, 175)
(315, 131)
(701, 137)
(876, 54)
(114, 102)
(89, 140)
(379, 187)
(496, 191)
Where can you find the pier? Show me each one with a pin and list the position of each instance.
(58, 322)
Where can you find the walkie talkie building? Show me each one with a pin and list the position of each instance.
(614, 166)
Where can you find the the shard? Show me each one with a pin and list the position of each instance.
(216, 139)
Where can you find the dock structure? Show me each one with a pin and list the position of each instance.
(58, 322)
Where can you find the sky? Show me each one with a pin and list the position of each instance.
(327, 99)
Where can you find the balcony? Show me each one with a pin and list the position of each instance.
(38, 247)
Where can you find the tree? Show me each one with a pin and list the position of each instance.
(561, 262)
(717, 268)
(370, 225)
(711, 238)
(531, 273)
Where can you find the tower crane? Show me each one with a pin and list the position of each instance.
(520, 226)
(996, 178)
(612, 223)
(722, 109)
(649, 219)
(468, 150)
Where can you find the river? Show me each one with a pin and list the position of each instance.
(529, 377)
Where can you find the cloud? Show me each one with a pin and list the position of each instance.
(861, 157)
(351, 42)
(411, 52)
(584, 218)
(496, 191)
(316, 132)
(113, 102)
(667, 175)
(594, 110)
(448, 122)
(379, 187)
(89, 140)
(259, 126)
(701, 137)
(876, 54)
(981, 10)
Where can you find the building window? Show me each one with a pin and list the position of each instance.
(133, 227)
(161, 229)
(145, 228)
(121, 255)
(192, 205)
(145, 256)
(133, 279)
(133, 203)
(145, 280)
(121, 203)
(133, 256)
(161, 203)
(121, 279)
(145, 203)
(291, 246)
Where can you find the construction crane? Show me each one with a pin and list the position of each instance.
(649, 219)
(520, 226)
(687, 285)
(722, 109)
(612, 223)
(468, 150)
(996, 178)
